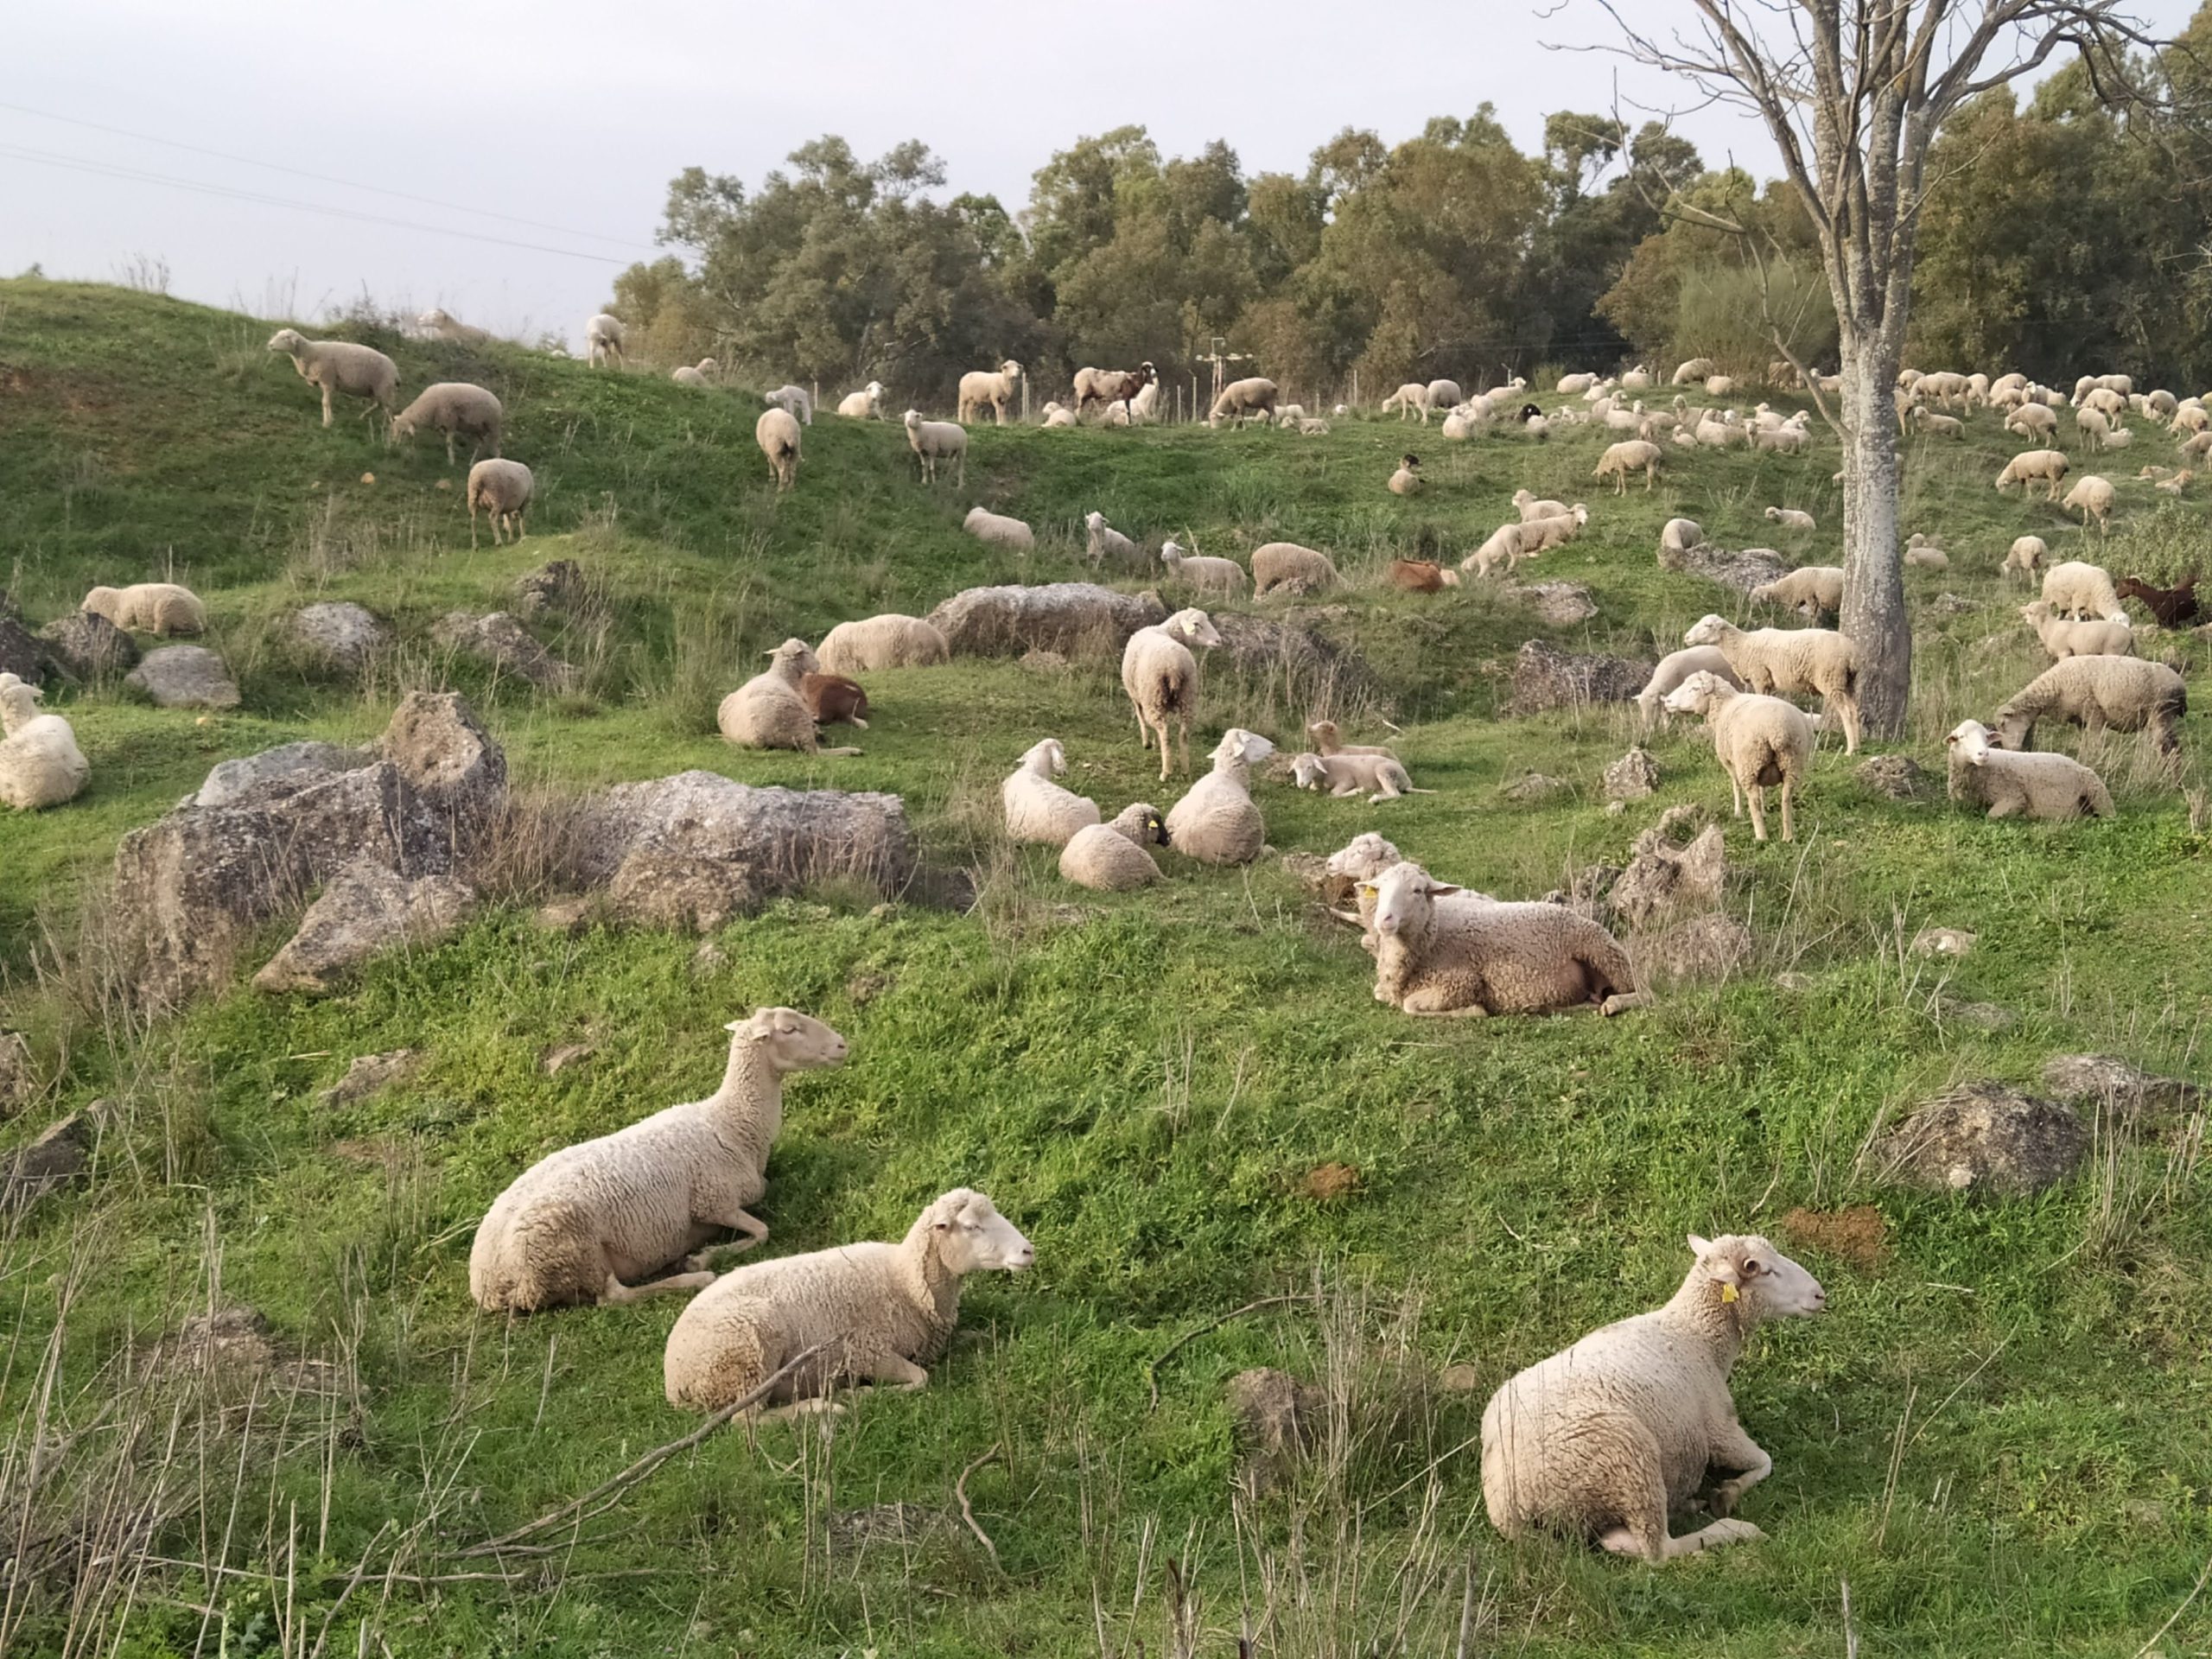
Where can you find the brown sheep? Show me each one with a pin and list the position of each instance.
(835, 699)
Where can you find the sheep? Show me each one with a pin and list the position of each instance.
(2176, 484)
(2026, 555)
(935, 440)
(503, 489)
(795, 401)
(604, 338)
(2033, 466)
(1407, 480)
(999, 530)
(2092, 497)
(1812, 590)
(1241, 399)
(1144, 408)
(1102, 541)
(1570, 385)
(1380, 777)
(2118, 438)
(1528, 505)
(1458, 426)
(1760, 741)
(1116, 857)
(1421, 575)
(41, 765)
(1160, 674)
(1718, 385)
(1697, 369)
(1533, 423)
(1925, 557)
(1636, 454)
(1791, 518)
(1039, 810)
(777, 433)
(1674, 668)
(1290, 415)
(1313, 428)
(2124, 693)
(1207, 574)
(1444, 394)
(336, 366)
(2032, 785)
(768, 711)
(880, 642)
(1512, 542)
(1279, 564)
(1791, 662)
(602, 1222)
(700, 376)
(2063, 638)
(2081, 590)
(2197, 448)
(1490, 958)
(1109, 386)
(2032, 421)
(445, 325)
(1602, 1441)
(158, 607)
(991, 388)
(1411, 398)
(865, 404)
(2175, 607)
(872, 1313)
(456, 409)
(1677, 538)
(1216, 822)
(833, 700)
(1055, 415)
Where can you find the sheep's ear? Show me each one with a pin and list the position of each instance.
(1751, 1266)
(1700, 1247)
(1438, 889)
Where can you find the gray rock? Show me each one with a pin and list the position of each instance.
(447, 757)
(1545, 677)
(1562, 604)
(62, 1154)
(21, 654)
(1531, 787)
(1276, 1418)
(339, 634)
(1953, 941)
(1983, 1137)
(666, 887)
(554, 586)
(1665, 878)
(276, 773)
(1753, 567)
(1633, 777)
(1076, 619)
(90, 647)
(506, 645)
(364, 912)
(2107, 1082)
(1703, 950)
(1895, 777)
(370, 1074)
(1311, 671)
(1952, 605)
(185, 676)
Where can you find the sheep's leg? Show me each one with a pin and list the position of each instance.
(1166, 749)
(1735, 797)
(1788, 789)
(617, 1293)
(1183, 725)
(1144, 731)
(1756, 792)
(326, 406)
(448, 448)
(892, 1370)
(738, 1220)
(1734, 1449)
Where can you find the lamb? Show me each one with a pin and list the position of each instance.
(1110, 386)
(769, 711)
(1785, 440)
(1512, 542)
(994, 387)
(2032, 785)
(1039, 810)
(159, 607)
(833, 700)
(603, 339)
(602, 1221)
(1635, 456)
(2063, 638)
(1791, 662)
(1116, 857)
(1421, 575)
(2079, 590)
(1528, 505)
(503, 489)
(865, 404)
(1411, 398)
(2033, 466)
(2026, 555)
(795, 401)
(1281, 564)
(1056, 417)
(1677, 537)
(1407, 480)
(1792, 518)
(336, 366)
(1924, 557)
(695, 376)
(1812, 590)
(2175, 607)
(1459, 425)
(459, 411)
(1102, 541)
(1328, 740)
(1602, 1441)
(1207, 574)
(1380, 777)
(999, 530)
(1240, 399)
(2124, 693)
(2092, 497)
(1160, 674)
(880, 642)
(935, 440)
(1490, 958)
(1216, 822)
(777, 433)
(445, 325)
(873, 1310)
(1674, 668)
(41, 765)
(1760, 741)
(2176, 484)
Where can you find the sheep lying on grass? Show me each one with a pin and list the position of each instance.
(999, 530)
(1791, 662)
(1407, 480)
(1421, 575)
(769, 710)
(339, 366)
(1207, 574)
(41, 765)
(1379, 777)
(1215, 822)
(865, 404)
(2124, 693)
(2063, 638)
(2032, 785)
(601, 1220)
(1602, 1441)
(1791, 518)
(1101, 541)
(159, 607)
(1116, 856)
(1490, 958)
(1039, 810)
(834, 700)
(880, 642)
(1760, 741)
(1328, 740)
(1160, 674)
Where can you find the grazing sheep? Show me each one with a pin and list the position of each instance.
(1407, 480)
(1792, 518)
(998, 530)
(339, 366)
(865, 404)
(2091, 497)
(1635, 456)
(1511, 542)
(1281, 564)
(935, 440)
(2077, 588)
(2011, 786)
(777, 433)
(502, 489)
(769, 711)
(1760, 741)
(699, 376)
(834, 700)
(1160, 674)
(1207, 574)
(604, 338)
(1101, 541)
(2062, 637)
(41, 765)
(1603, 1440)
(880, 642)
(445, 325)
(1410, 400)
(2175, 607)
(459, 411)
(1421, 575)
(1490, 958)
(1923, 556)
(1379, 777)
(795, 401)
(601, 1221)
(1106, 387)
(2032, 421)
(1791, 662)
(2124, 693)
(1216, 822)
(1242, 400)
(1696, 370)
(1674, 668)
(1530, 505)
(2196, 448)
(874, 1312)
(994, 387)
(159, 608)
(2033, 466)
(1039, 810)
(2026, 555)
(1116, 857)
(1677, 538)
(1812, 590)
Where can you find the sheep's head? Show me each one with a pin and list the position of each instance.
(792, 1041)
(1010, 369)
(971, 1236)
(434, 318)
(911, 419)
(1708, 630)
(18, 702)
(1171, 553)
(104, 602)
(1094, 521)
(290, 341)
(1405, 896)
(2036, 612)
(1047, 759)
(1363, 857)
(1522, 498)
(1307, 771)
(1746, 1269)
(1411, 463)
(796, 655)
(708, 365)
(1238, 745)
(1324, 732)
(1969, 739)
(1195, 627)
(1696, 693)
(1141, 822)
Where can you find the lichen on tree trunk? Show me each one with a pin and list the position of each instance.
(1873, 574)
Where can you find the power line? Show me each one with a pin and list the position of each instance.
(318, 178)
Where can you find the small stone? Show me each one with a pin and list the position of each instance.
(554, 586)
(1952, 605)
(1894, 777)
(1615, 808)
(1664, 879)
(506, 645)
(1795, 983)
(21, 654)
(63, 1153)
(660, 886)
(1276, 1417)
(1984, 1137)
(2108, 1081)
(1942, 942)
(566, 916)
(1532, 787)
(1561, 604)
(338, 634)
(372, 1072)
(185, 676)
(1633, 777)
(364, 912)
(1461, 1379)
(559, 1059)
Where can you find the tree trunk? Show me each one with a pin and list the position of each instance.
(1874, 576)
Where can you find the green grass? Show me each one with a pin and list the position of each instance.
(1993, 1436)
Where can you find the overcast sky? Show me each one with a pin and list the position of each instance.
(576, 115)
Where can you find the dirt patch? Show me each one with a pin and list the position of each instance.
(1325, 1183)
(1858, 1233)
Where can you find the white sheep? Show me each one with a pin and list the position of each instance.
(1144, 408)
(777, 432)
(339, 366)
(445, 325)
(1379, 777)
(1530, 505)
(2031, 421)
(41, 765)
(1601, 1441)
(1444, 394)
(1488, 958)
(1055, 415)
(999, 530)
(2092, 497)
(1572, 385)
(502, 489)
(1279, 564)
(1792, 518)
(1215, 822)
(604, 338)
(1160, 674)
(880, 642)
(1328, 740)
(1696, 370)
(2026, 555)
(456, 409)
(1039, 810)
(875, 1312)
(795, 401)
(1940, 426)
(1509, 543)
(2079, 590)
(2063, 637)
(1240, 400)
(159, 608)
(2125, 694)
(1407, 480)
(1812, 590)
(1116, 857)
(1674, 668)
(605, 1220)
(2033, 466)
(1102, 542)
(1759, 740)
(865, 404)
(1635, 456)
(936, 441)
(770, 711)
(1678, 537)
(995, 387)
(1410, 400)
(1206, 574)
(2033, 785)
(699, 376)
(1791, 662)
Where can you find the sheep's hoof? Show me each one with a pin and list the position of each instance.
(1622, 1001)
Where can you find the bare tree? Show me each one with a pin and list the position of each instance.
(1853, 92)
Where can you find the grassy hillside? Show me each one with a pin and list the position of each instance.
(1187, 1098)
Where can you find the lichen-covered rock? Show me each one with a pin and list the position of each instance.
(1547, 677)
(185, 676)
(22, 654)
(371, 1072)
(1943, 941)
(338, 634)
(1753, 567)
(666, 887)
(503, 643)
(447, 757)
(89, 647)
(364, 912)
(1561, 604)
(1985, 1138)
(1633, 777)
(1531, 787)
(1894, 777)
(60, 1154)
(1076, 619)
(274, 773)
(2108, 1082)
(554, 586)
(1666, 878)
(1702, 951)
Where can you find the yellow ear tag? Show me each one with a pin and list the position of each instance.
(1727, 1293)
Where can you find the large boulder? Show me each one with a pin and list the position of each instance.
(21, 654)
(1077, 619)
(1983, 1138)
(1666, 877)
(448, 758)
(274, 773)
(1544, 676)
(364, 912)
(338, 634)
(185, 676)
(1753, 567)
(90, 647)
(504, 644)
